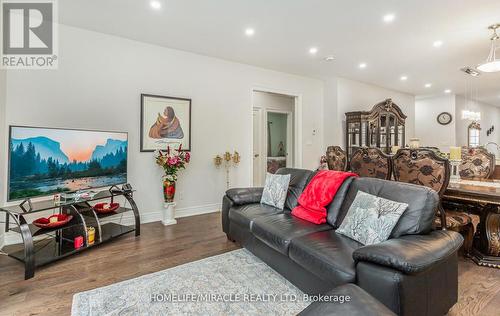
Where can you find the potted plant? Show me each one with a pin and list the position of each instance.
(172, 161)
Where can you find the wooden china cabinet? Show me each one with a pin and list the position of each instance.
(382, 127)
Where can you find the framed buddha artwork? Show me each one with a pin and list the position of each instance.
(165, 121)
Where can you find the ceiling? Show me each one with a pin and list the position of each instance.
(351, 30)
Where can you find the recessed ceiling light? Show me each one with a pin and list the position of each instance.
(388, 18)
(155, 4)
(403, 78)
(447, 91)
(362, 65)
(330, 58)
(313, 50)
(437, 43)
(428, 85)
(249, 32)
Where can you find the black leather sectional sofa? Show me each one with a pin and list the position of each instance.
(412, 273)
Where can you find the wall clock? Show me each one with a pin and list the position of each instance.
(444, 118)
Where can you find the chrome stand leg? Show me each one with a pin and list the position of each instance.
(136, 214)
(29, 256)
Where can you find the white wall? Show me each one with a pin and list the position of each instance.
(98, 86)
(332, 131)
(427, 128)
(455, 134)
(490, 116)
(357, 96)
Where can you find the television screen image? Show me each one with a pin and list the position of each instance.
(44, 161)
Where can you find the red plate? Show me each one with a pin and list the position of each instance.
(99, 207)
(62, 219)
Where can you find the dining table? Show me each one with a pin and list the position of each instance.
(483, 198)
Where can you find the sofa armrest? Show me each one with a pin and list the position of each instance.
(412, 253)
(245, 195)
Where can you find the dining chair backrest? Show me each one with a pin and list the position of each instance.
(422, 167)
(477, 163)
(371, 163)
(336, 158)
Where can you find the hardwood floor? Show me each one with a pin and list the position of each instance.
(50, 292)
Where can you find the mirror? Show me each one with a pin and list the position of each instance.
(473, 134)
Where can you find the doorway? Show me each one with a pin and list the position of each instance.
(273, 134)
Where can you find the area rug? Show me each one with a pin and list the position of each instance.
(233, 283)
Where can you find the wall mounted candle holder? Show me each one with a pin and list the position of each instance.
(228, 160)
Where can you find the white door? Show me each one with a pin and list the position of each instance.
(257, 148)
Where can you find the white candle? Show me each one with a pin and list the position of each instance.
(455, 153)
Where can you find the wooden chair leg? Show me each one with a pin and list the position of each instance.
(468, 232)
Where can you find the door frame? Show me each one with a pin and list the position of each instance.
(260, 112)
(297, 123)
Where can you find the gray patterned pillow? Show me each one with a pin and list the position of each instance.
(370, 219)
(275, 190)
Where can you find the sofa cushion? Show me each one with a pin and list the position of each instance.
(326, 254)
(277, 231)
(422, 203)
(299, 178)
(361, 303)
(245, 214)
(333, 209)
(240, 196)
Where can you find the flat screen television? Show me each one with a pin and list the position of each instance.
(45, 161)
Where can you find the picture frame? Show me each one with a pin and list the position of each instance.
(165, 121)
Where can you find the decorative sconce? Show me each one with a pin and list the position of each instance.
(229, 160)
(218, 161)
(490, 130)
(227, 157)
(236, 158)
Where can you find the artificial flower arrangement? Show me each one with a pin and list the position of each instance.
(172, 161)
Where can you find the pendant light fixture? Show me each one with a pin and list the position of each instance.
(471, 94)
(492, 63)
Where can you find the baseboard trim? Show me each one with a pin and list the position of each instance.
(198, 210)
(128, 219)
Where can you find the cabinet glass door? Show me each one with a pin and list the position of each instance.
(392, 131)
(354, 135)
(383, 132)
(401, 136)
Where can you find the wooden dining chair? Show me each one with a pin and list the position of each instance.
(336, 158)
(477, 163)
(371, 163)
(425, 167)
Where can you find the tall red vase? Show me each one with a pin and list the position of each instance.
(168, 190)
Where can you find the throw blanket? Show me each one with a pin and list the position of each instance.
(318, 194)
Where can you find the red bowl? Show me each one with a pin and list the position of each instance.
(99, 207)
(62, 219)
